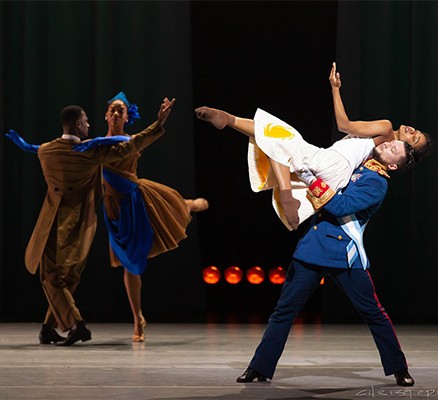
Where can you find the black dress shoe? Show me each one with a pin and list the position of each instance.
(79, 332)
(403, 378)
(48, 335)
(249, 375)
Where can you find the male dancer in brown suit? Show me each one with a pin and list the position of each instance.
(62, 237)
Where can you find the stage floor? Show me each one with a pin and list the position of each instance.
(202, 361)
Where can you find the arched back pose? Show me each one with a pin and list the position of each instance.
(333, 246)
(276, 151)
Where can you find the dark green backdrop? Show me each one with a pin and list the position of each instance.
(238, 56)
(59, 53)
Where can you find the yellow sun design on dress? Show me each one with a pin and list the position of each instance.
(278, 132)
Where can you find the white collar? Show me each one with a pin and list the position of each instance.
(71, 137)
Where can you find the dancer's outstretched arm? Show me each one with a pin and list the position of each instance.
(380, 130)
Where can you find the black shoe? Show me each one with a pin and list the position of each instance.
(403, 378)
(48, 335)
(249, 375)
(79, 332)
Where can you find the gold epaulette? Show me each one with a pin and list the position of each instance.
(375, 165)
(319, 193)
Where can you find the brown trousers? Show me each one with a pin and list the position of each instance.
(59, 283)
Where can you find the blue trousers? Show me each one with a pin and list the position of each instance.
(301, 281)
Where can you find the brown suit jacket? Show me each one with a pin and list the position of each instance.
(74, 187)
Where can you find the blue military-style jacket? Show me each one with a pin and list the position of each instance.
(326, 243)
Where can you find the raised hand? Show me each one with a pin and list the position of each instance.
(165, 108)
(335, 77)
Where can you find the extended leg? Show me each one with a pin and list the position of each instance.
(133, 289)
(220, 119)
(358, 286)
(299, 285)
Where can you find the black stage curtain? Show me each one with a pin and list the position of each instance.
(238, 56)
(272, 55)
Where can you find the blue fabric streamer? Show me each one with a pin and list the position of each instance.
(84, 146)
(21, 143)
(131, 236)
(97, 141)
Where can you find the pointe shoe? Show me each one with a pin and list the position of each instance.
(249, 375)
(198, 205)
(218, 118)
(48, 335)
(139, 338)
(79, 332)
(290, 207)
(403, 378)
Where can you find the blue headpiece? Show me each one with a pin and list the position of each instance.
(132, 108)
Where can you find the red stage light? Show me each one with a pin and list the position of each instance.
(211, 275)
(322, 281)
(277, 275)
(255, 275)
(233, 275)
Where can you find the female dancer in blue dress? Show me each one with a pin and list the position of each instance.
(157, 215)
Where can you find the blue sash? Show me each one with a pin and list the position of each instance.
(131, 235)
(83, 146)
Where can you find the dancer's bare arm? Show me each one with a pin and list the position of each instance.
(380, 130)
(165, 109)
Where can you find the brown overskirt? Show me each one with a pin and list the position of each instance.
(167, 210)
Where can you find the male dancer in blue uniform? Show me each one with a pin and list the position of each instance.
(333, 246)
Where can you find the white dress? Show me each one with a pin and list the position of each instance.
(284, 144)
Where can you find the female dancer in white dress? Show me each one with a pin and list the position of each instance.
(277, 153)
